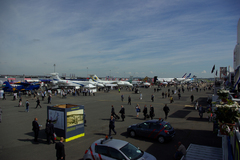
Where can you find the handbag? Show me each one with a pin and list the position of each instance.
(54, 136)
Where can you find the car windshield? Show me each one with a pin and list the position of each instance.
(167, 126)
(131, 151)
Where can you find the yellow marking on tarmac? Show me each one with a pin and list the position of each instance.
(189, 106)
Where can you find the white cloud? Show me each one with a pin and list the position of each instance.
(204, 71)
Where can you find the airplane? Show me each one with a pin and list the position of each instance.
(19, 86)
(183, 78)
(141, 83)
(168, 80)
(71, 83)
(119, 83)
(190, 79)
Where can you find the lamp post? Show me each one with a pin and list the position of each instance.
(54, 67)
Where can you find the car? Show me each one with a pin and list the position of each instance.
(109, 149)
(156, 129)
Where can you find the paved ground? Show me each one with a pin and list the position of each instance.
(16, 136)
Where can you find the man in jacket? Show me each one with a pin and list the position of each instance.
(145, 112)
(60, 151)
(129, 100)
(35, 129)
(112, 126)
(151, 113)
(122, 112)
(166, 110)
(49, 131)
(38, 103)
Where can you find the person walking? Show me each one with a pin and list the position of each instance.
(49, 130)
(162, 94)
(138, 109)
(112, 126)
(20, 102)
(43, 95)
(196, 105)
(166, 110)
(38, 103)
(35, 129)
(179, 95)
(122, 97)
(27, 106)
(192, 98)
(60, 150)
(145, 112)
(152, 98)
(113, 113)
(140, 96)
(151, 113)
(49, 99)
(201, 111)
(129, 100)
(171, 99)
(122, 112)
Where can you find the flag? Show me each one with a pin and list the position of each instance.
(216, 72)
(213, 68)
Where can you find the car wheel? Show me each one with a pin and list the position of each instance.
(161, 139)
(132, 133)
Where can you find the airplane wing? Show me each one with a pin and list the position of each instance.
(22, 83)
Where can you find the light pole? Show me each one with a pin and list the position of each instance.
(54, 67)
(110, 73)
(87, 71)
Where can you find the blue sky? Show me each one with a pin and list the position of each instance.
(164, 38)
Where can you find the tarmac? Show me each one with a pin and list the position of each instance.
(16, 135)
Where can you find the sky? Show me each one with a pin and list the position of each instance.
(118, 38)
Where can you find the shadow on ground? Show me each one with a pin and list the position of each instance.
(180, 114)
(186, 137)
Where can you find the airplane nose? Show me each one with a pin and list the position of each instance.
(100, 85)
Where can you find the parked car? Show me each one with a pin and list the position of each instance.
(156, 129)
(111, 149)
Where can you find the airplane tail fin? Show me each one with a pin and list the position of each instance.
(184, 76)
(6, 84)
(188, 76)
(145, 79)
(55, 76)
(94, 78)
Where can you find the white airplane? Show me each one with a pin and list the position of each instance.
(119, 83)
(161, 80)
(184, 78)
(168, 80)
(141, 83)
(71, 83)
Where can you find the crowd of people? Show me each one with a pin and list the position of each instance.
(148, 113)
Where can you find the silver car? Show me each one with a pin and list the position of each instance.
(110, 149)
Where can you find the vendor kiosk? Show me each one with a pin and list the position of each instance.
(68, 120)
